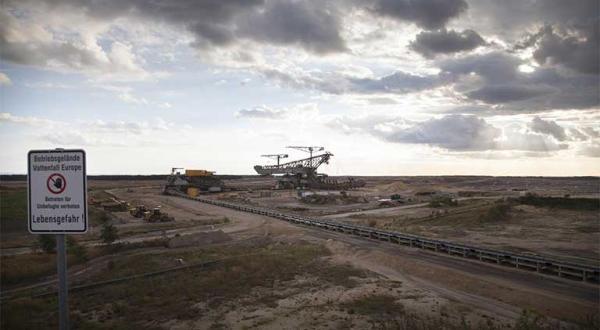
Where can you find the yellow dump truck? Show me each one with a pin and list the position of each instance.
(193, 173)
(193, 182)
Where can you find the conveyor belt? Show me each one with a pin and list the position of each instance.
(538, 264)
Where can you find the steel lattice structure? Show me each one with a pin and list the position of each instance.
(307, 166)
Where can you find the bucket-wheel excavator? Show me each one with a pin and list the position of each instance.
(303, 174)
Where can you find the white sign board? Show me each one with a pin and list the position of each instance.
(57, 189)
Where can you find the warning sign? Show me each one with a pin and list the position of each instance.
(56, 183)
(57, 188)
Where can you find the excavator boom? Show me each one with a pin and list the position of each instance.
(302, 166)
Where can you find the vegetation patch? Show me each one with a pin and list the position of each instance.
(531, 320)
(375, 306)
(589, 204)
(13, 210)
(15, 317)
(24, 268)
(28, 268)
(440, 201)
(344, 198)
(165, 297)
(342, 275)
(100, 195)
(500, 211)
(98, 216)
(588, 229)
(215, 221)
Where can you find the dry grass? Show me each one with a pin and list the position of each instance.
(589, 204)
(13, 210)
(161, 298)
(375, 305)
(259, 274)
(26, 268)
(30, 268)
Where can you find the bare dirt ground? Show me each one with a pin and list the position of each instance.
(570, 234)
(357, 278)
(556, 186)
(479, 291)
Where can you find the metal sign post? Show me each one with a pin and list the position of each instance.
(63, 293)
(57, 204)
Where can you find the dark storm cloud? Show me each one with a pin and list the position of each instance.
(506, 93)
(429, 14)
(568, 12)
(576, 47)
(495, 67)
(206, 18)
(566, 48)
(303, 23)
(510, 18)
(494, 78)
(216, 34)
(310, 25)
(443, 41)
(548, 127)
(175, 11)
(453, 132)
(574, 91)
(569, 36)
(456, 133)
(578, 50)
(209, 21)
(397, 83)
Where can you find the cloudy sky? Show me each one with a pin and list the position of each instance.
(390, 87)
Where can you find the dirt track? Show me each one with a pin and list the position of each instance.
(483, 287)
(429, 280)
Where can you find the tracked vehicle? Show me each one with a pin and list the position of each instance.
(302, 173)
(193, 182)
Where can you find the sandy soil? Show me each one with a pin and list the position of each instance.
(481, 289)
(426, 283)
(571, 235)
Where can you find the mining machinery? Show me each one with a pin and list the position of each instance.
(303, 174)
(309, 149)
(193, 182)
(276, 156)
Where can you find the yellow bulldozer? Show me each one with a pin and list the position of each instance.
(138, 211)
(156, 215)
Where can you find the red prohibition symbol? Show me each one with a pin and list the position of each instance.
(56, 183)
